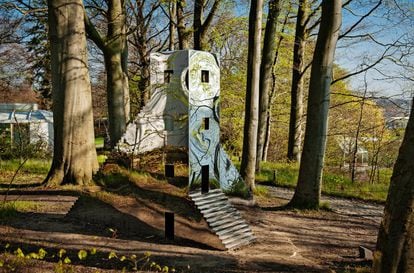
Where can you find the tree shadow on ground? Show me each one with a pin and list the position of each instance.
(91, 216)
(179, 181)
(157, 192)
(20, 186)
(344, 266)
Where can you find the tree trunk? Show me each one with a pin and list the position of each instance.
(197, 23)
(114, 47)
(308, 190)
(183, 32)
(140, 42)
(117, 77)
(267, 138)
(144, 83)
(357, 133)
(296, 105)
(267, 129)
(266, 79)
(115, 92)
(200, 25)
(172, 12)
(74, 157)
(247, 168)
(395, 246)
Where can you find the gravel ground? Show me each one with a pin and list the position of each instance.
(342, 206)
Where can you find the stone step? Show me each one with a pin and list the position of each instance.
(229, 224)
(210, 205)
(211, 199)
(236, 232)
(194, 194)
(240, 243)
(237, 237)
(208, 196)
(230, 229)
(216, 208)
(219, 211)
(231, 216)
(224, 219)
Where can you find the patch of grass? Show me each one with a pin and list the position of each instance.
(238, 189)
(38, 166)
(340, 185)
(325, 206)
(261, 191)
(99, 142)
(7, 210)
(385, 176)
(101, 159)
(10, 209)
(282, 174)
(33, 171)
(336, 184)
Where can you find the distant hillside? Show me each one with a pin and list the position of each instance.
(395, 107)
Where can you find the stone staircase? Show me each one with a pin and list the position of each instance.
(224, 219)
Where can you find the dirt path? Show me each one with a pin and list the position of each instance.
(341, 206)
(287, 241)
(329, 239)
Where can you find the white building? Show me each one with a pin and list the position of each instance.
(25, 123)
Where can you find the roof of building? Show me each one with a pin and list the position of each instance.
(23, 113)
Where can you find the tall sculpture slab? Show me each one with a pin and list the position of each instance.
(183, 111)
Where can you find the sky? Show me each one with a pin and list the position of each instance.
(388, 24)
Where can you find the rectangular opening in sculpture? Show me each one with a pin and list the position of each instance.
(205, 77)
(167, 75)
(206, 122)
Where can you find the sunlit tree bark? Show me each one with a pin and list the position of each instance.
(308, 190)
(395, 246)
(297, 89)
(115, 50)
(248, 162)
(269, 52)
(74, 158)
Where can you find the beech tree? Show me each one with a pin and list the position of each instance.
(115, 50)
(308, 189)
(183, 32)
(172, 11)
(201, 26)
(248, 162)
(269, 52)
(266, 124)
(296, 102)
(74, 157)
(38, 46)
(142, 43)
(395, 246)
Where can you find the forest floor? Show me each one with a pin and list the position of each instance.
(132, 224)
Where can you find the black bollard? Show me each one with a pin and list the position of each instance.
(169, 170)
(205, 179)
(169, 225)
